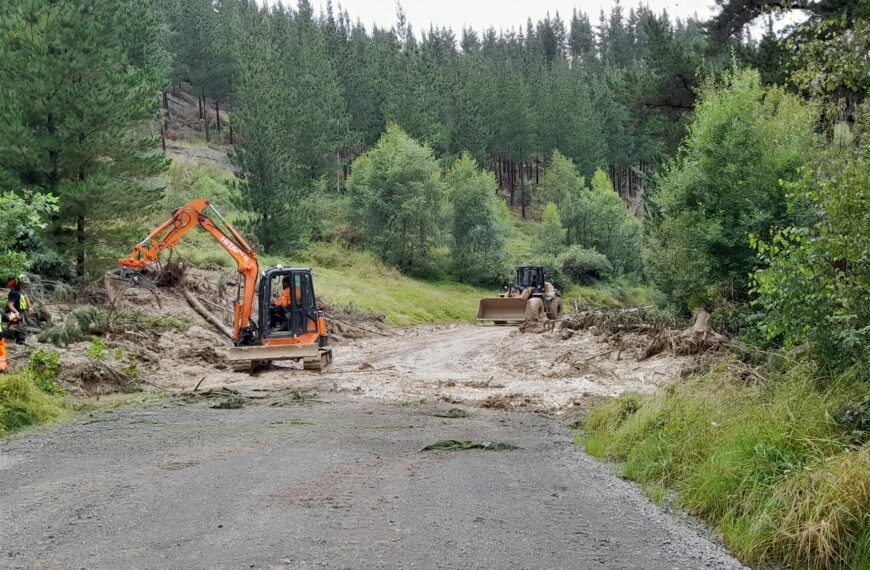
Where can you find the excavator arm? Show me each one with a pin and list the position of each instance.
(183, 220)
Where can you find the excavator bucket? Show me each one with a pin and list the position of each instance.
(502, 309)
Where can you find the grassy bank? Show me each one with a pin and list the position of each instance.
(23, 404)
(780, 467)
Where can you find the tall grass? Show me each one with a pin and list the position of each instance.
(22, 404)
(769, 463)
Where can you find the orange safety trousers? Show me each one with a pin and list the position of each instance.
(4, 365)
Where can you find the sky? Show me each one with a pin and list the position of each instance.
(481, 14)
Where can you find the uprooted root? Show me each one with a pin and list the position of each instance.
(700, 338)
(697, 339)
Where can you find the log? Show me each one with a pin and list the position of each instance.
(213, 320)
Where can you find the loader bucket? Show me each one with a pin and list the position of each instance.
(502, 309)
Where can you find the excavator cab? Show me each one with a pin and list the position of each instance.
(299, 315)
(290, 325)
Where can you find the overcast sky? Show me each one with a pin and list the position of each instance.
(481, 14)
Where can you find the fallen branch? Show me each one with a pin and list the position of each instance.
(213, 320)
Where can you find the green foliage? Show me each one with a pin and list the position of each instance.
(600, 220)
(725, 185)
(584, 266)
(831, 57)
(815, 291)
(550, 239)
(23, 404)
(186, 182)
(397, 198)
(594, 218)
(97, 349)
(291, 122)
(478, 227)
(560, 181)
(22, 217)
(77, 125)
(767, 464)
(43, 367)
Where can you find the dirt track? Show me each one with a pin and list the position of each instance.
(339, 481)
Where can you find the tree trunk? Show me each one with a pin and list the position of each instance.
(199, 308)
(513, 176)
(200, 98)
(80, 243)
(217, 112)
(165, 101)
(205, 122)
(523, 197)
(231, 132)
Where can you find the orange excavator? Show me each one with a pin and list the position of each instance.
(290, 329)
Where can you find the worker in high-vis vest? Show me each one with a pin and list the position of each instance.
(16, 307)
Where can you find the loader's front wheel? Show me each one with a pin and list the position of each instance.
(554, 312)
(535, 310)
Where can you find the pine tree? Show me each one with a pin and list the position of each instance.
(79, 105)
(581, 40)
(271, 187)
(321, 125)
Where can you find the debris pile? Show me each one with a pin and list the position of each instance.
(626, 329)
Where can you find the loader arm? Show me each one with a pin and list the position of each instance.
(184, 219)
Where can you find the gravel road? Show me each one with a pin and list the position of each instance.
(334, 483)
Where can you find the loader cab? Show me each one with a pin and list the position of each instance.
(294, 288)
(530, 277)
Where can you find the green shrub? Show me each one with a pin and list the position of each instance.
(186, 182)
(97, 349)
(765, 461)
(397, 197)
(584, 266)
(723, 186)
(43, 368)
(478, 224)
(550, 238)
(78, 325)
(816, 290)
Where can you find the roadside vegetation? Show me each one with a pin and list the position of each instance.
(32, 396)
(776, 459)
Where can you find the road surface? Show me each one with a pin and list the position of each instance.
(334, 482)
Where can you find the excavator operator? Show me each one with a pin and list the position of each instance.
(281, 309)
(284, 298)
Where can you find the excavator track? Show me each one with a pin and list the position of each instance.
(319, 363)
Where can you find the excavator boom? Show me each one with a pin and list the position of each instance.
(186, 218)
